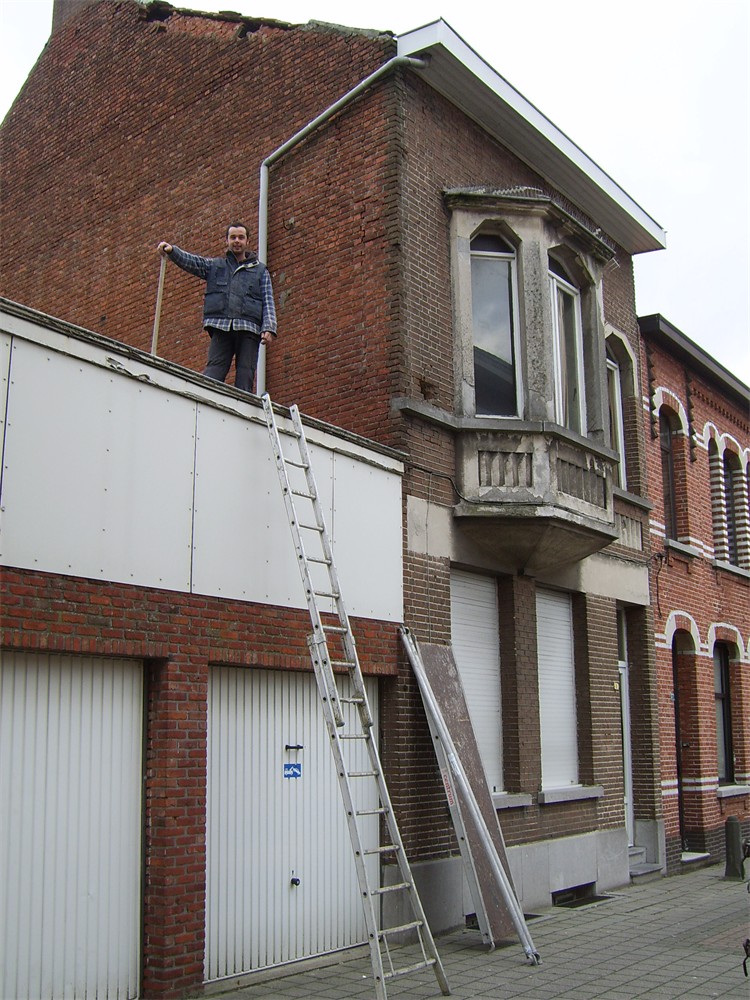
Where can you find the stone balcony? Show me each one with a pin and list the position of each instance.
(537, 497)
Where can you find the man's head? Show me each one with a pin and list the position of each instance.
(237, 239)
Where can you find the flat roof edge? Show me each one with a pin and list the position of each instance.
(439, 33)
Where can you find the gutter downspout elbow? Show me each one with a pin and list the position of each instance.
(397, 61)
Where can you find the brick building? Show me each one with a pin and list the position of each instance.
(455, 291)
(698, 451)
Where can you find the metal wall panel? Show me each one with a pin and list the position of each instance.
(368, 551)
(243, 547)
(70, 827)
(98, 473)
(115, 469)
(265, 829)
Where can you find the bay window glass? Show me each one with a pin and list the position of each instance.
(616, 423)
(568, 350)
(493, 262)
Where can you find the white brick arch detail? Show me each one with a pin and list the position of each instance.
(726, 442)
(676, 622)
(665, 397)
(743, 645)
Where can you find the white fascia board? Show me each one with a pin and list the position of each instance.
(468, 81)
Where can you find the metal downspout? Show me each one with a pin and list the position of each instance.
(411, 61)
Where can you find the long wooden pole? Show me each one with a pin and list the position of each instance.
(157, 316)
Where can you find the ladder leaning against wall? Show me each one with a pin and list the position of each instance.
(334, 658)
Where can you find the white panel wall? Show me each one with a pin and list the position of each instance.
(70, 860)
(117, 469)
(98, 473)
(264, 829)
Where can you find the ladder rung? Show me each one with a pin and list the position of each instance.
(354, 736)
(302, 493)
(297, 465)
(363, 774)
(407, 969)
(344, 663)
(372, 812)
(397, 887)
(411, 926)
(326, 593)
(319, 559)
(310, 527)
(385, 849)
(338, 629)
(352, 701)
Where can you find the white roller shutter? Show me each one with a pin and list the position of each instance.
(557, 690)
(70, 827)
(265, 829)
(476, 647)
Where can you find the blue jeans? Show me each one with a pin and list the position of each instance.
(237, 344)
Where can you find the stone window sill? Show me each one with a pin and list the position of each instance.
(511, 800)
(731, 568)
(549, 796)
(728, 791)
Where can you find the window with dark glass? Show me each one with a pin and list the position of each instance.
(724, 751)
(493, 262)
(666, 440)
(616, 422)
(568, 349)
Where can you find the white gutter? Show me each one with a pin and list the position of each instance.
(411, 61)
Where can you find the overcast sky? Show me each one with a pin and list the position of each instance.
(657, 92)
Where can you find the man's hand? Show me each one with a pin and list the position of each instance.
(164, 248)
(266, 337)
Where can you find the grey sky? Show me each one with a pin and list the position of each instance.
(657, 92)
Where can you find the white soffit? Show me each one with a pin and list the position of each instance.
(466, 80)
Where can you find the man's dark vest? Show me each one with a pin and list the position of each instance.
(234, 295)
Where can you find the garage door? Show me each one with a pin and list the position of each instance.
(70, 827)
(281, 882)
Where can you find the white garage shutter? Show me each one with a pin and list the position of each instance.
(476, 647)
(70, 827)
(557, 690)
(274, 815)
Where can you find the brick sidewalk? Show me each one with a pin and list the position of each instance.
(673, 938)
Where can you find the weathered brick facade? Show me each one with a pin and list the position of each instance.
(701, 598)
(162, 140)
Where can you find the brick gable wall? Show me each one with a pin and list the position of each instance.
(161, 137)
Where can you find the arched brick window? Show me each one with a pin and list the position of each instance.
(667, 434)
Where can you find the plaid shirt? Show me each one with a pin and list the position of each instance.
(194, 264)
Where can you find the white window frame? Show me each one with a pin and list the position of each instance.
(559, 285)
(512, 257)
(617, 422)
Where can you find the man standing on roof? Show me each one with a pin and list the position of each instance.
(238, 308)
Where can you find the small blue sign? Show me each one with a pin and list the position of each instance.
(292, 770)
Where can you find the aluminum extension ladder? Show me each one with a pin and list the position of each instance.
(332, 649)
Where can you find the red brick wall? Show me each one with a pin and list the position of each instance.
(177, 636)
(687, 582)
(161, 137)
